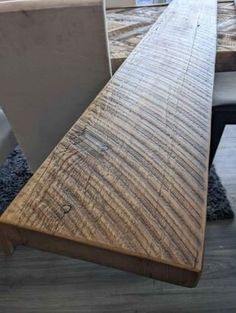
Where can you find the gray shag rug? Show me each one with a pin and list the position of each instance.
(15, 172)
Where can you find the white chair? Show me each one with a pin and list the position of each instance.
(53, 62)
(7, 138)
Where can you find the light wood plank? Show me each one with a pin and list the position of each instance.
(127, 185)
(32, 281)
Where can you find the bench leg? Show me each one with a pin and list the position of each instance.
(221, 115)
(217, 128)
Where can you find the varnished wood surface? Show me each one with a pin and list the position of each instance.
(226, 56)
(127, 186)
(32, 281)
(126, 28)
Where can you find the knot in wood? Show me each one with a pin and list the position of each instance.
(66, 208)
(104, 147)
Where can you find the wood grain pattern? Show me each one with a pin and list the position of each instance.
(127, 27)
(226, 56)
(127, 185)
(32, 281)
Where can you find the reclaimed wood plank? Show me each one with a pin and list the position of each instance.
(33, 281)
(127, 186)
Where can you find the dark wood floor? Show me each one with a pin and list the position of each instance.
(33, 281)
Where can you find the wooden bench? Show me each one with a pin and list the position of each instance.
(127, 186)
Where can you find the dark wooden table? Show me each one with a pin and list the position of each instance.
(127, 26)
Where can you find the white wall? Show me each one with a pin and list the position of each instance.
(120, 3)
